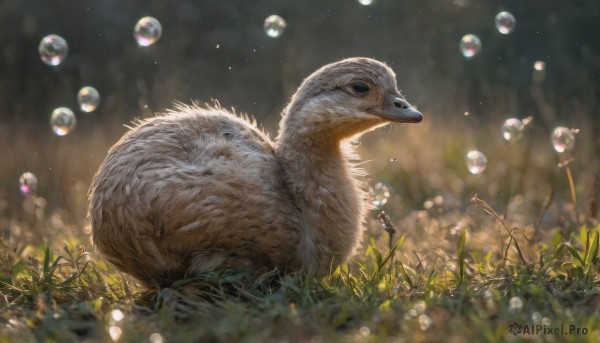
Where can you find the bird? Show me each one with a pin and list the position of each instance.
(201, 188)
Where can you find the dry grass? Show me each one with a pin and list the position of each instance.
(459, 268)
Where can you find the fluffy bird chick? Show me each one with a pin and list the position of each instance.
(200, 189)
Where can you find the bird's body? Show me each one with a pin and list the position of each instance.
(200, 189)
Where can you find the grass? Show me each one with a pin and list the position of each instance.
(439, 265)
(471, 294)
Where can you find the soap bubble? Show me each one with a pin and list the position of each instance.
(156, 338)
(147, 31)
(379, 194)
(505, 22)
(366, 2)
(539, 65)
(63, 121)
(563, 139)
(28, 183)
(117, 315)
(425, 322)
(115, 332)
(53, 50)
(274, 26)
(515, 304)
(512, 129)
(476, 161)
(88, 98)
(470, 45)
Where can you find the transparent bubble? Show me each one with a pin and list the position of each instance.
(117, 315)
(420, 306)
(364, 331)
(274, 26)
(425, 322)
(63, 121)
(470, 45)
(512, 129)
(88, 98)
(115, 332)
(366, 2)
(28, 183)
(53, 50)
(147, 31)
(476, 161)
(379, 194)
(505, 22)
(563, 139)
(515, 304)
(156, 338)
(539, 65)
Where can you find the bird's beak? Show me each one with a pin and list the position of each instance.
(399, 110)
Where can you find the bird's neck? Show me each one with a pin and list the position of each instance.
(328, 196)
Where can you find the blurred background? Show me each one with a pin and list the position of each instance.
(219, 50)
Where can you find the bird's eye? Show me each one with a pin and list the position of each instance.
(360, 87)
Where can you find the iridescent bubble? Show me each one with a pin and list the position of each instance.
(539, 65)
(515, 304)
(156, 338)
(476, 161)
(117, 315)
(88, 98)
(379, 194)
(470, 45)
(62, 121)
(28, 183)
(425, 322)
(274, 26)
(563, 139)
(505, 22)
(366, 2)
(115, 332)
(512, 129)
(53, 50)
(147, 31)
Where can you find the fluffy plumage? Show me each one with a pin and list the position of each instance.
(199, 189)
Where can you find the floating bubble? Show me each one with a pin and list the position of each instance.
(425, 322)
(512, 129)
(379, 194)
(156, 338)
(420, 306)
(147, 31)
(563, 139)
(117, 315)
(28, 183)
(539, 65)
(366, 2)
(274, 26)
(364, 331)
(53, 50)
(115, 332)
(515, 304)
(88, 98)
(505, 22)
(470, 45)
(62, 121)
(476, 161)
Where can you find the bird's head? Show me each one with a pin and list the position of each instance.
(346, 98)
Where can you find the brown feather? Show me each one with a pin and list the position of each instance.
(201, 188)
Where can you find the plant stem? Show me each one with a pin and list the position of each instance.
(573, 196)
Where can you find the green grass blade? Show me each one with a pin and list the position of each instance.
(592, 251)
(460, 249)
